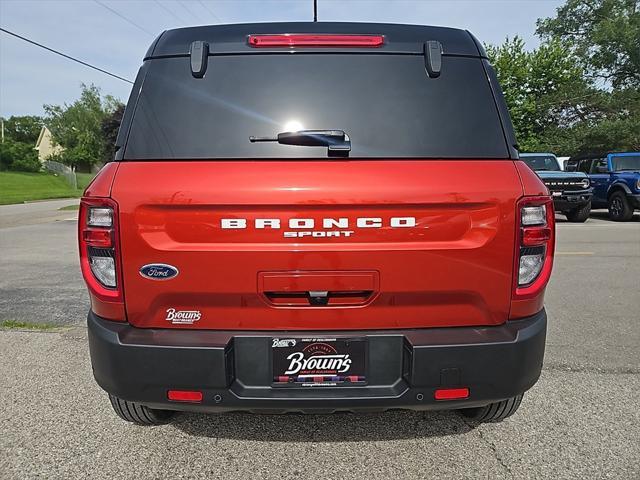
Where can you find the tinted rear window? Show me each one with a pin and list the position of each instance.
(387, 105)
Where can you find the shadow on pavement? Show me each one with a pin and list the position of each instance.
(340, 427)
(598, 214)
(604, 215)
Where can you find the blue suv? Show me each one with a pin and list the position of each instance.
(615, 178)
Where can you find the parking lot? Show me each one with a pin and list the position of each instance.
(581, 420)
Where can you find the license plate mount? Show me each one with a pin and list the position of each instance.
(319, 362)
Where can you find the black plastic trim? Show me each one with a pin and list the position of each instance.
(232, 368)
(572, 200)
(127, 118)
(503, 110)
(618, 186)
(481, 50)
(634, 200)
(232, 39)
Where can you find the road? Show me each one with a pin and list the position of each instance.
(36, 212)
(581, 420)
(39, 272)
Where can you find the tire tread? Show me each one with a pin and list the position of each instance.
(494, 412)
(137, 413)
(627, 213)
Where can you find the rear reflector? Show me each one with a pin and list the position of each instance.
(533, 236)
(184, 396)
(309, 40)
(451, 393)
(98, 238)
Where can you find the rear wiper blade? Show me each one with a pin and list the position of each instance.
(337, 142)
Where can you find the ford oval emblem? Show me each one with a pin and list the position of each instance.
(158, 271)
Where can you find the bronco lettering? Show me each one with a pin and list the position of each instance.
(327, 223)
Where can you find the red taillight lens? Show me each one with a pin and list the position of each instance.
(311, 40)
(184, 396)
(535, 246)
(451, 394)
(533, 236)
(98, 238)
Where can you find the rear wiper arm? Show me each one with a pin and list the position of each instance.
(337, 142)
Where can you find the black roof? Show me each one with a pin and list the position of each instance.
(233, 38)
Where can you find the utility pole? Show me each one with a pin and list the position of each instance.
(315, 10)
(2, 122)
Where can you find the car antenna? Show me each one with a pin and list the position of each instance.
(315, 10)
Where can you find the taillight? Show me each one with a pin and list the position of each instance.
(535, 245)
(100, 253)
(315, 40)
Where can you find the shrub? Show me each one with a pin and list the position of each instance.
(18, 156)
(26, 164)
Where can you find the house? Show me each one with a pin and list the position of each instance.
(46, 146)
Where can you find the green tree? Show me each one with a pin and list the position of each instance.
(109, 127)
(24, 129)
(536, 87)
(77, 127)
(603, 34)
(604, 121)
(604, 37)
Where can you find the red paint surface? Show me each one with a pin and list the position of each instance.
(100, 186)
(454, 268)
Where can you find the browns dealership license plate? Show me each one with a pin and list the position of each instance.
(319, 362)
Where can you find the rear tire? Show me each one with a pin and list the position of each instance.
(494, 412)
(580, 214)
(619, 208)
(139, 414)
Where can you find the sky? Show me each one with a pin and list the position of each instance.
(115, 34)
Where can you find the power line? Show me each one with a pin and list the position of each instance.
(173, 14)
(65, 55)
(215, 17)
(129, 21)
(188, 10)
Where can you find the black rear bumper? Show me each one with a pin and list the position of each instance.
(233, 369)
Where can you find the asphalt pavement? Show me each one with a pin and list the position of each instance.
(581, 420)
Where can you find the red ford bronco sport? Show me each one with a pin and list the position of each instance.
(316, 217)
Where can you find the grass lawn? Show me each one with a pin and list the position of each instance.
(83, 180)
(70, 207)
(16, 187)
